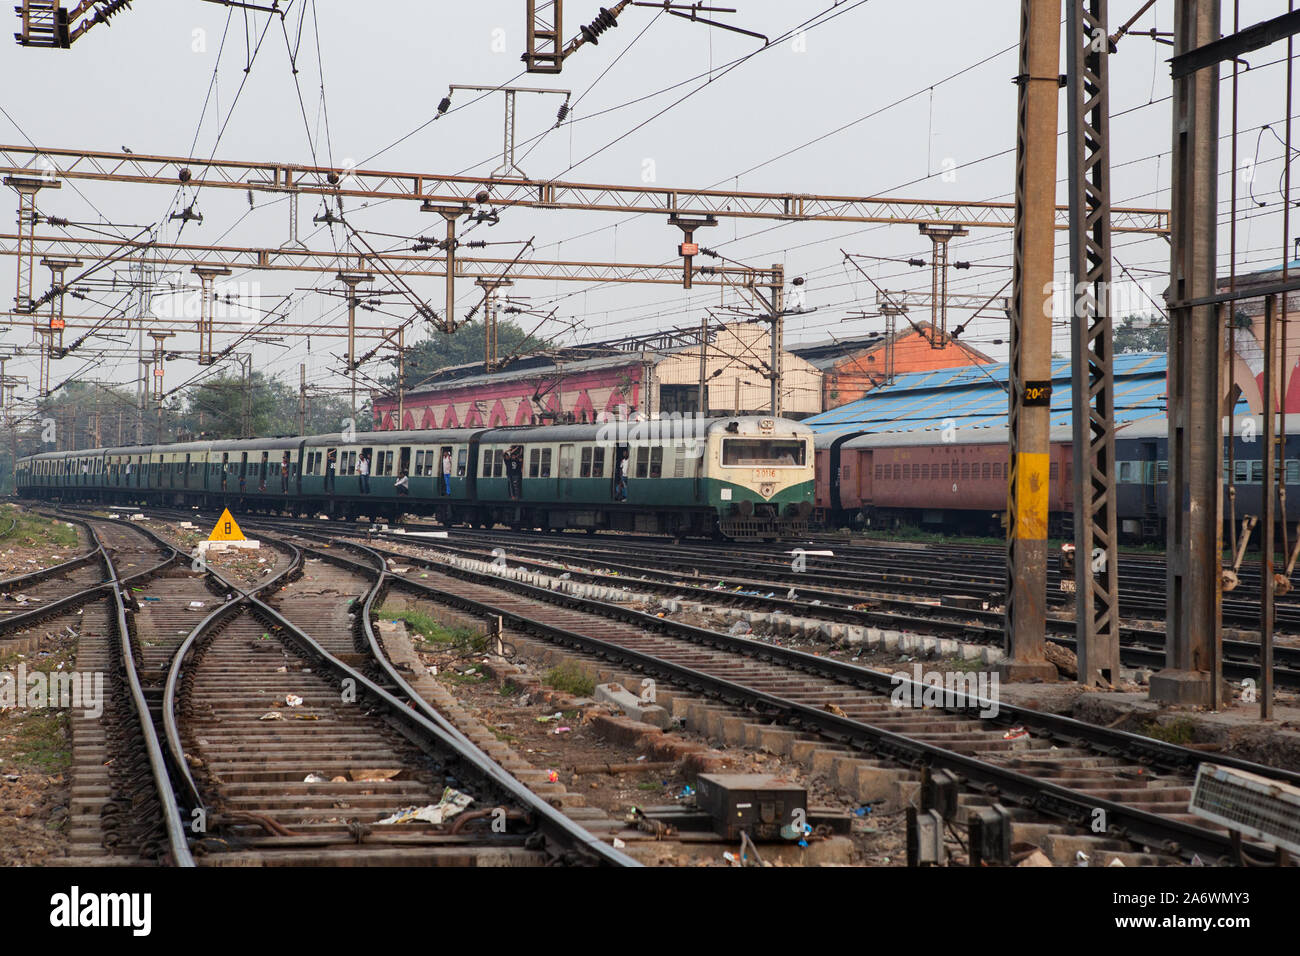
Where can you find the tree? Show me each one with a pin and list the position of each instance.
(1138, 333)
(462, 347)
(224, 408)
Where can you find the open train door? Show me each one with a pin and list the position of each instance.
(622, 452)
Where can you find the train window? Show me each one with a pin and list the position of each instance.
(1125, 472)
(1242, 472)
(498, 463)
(584, 465)
(947, 470)
(1256, 471)
(997, 469)
(925, 472)
(1053, 470)
(598, 463)
(1293, 472)
(657, 461)
(1162, 471)
(898, 472)
(539, 463)
(462, 457)
(768, 452)
(566, 462)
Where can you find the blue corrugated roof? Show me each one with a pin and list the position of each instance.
(976, 397)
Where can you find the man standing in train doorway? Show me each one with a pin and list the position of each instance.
(363, 473)
(446, 472)
(620, 489)
(331, 460)
(515, 471)
(284, 474)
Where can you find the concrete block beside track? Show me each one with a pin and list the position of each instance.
(620, 697)
(777, 740)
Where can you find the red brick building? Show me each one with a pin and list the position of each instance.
(853, 367)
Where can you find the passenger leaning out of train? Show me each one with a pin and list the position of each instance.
(331, 459)
(446, 472)
(620, 489)
(363, 473)
(515, 471)
(284, 474)
(402, 484)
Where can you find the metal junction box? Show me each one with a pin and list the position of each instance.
(758, 803)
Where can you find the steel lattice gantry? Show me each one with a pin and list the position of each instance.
(446, 190)
(1093, 380)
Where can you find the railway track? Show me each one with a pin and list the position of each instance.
(1063, 769)
(1141, 647)
(121, 809)
(349, 749)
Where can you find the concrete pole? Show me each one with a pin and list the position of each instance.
(1194, 586)
(1031, 340)
(778, 336)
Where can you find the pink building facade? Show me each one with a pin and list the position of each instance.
(578, 392)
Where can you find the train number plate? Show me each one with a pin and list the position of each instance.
(1067, 585)
(765, 474)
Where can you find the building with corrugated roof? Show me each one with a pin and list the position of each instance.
(975, 397)
(852, 367)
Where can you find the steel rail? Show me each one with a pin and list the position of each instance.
(559, 829)
(1123, 822)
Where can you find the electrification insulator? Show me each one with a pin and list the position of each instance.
(444, 105)
(961, 265)
(477, 244)
(916, 262)
(184, 175)
(562, 113)
(109, 10)
(482, 196)
(604, 20)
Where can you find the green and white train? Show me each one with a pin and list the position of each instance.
(740, 477)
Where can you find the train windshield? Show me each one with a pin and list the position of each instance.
(765, 452)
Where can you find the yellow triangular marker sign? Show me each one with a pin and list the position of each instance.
(226, 529)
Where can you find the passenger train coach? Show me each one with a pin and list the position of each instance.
(886, 479)
(740, 477)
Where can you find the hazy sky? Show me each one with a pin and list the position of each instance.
(926, 86)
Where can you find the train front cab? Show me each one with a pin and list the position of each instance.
(760, 477)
